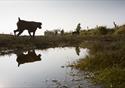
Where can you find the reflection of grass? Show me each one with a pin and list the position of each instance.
(106, 61)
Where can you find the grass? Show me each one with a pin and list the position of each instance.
(39, 42)
(106, 60)
(111, 77)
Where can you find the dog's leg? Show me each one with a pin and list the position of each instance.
(33, 33)
(15, 31)
(19, 33)
(30, 33)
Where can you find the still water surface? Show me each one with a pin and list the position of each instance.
(42, 69)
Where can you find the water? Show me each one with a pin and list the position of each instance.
(42, 69)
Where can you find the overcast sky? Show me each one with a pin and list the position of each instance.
(64, 14)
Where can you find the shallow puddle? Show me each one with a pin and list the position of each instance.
(42, 69)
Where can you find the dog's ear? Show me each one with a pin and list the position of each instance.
(19, 18)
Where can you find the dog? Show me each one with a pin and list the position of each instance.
(31, 26)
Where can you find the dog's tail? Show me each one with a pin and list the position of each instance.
(19, 18)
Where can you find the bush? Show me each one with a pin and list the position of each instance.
(102, 30)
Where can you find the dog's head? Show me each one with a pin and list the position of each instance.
(39, 25)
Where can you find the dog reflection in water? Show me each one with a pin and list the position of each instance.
(30, 57)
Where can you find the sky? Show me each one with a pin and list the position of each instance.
(61, 14)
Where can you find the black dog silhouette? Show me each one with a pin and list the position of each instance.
(31, 26)
(30, 57)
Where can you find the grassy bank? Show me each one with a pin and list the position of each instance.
(40, 42)
(106, 61)
(10, 41)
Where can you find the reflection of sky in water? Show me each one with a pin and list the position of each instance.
(37, 73)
